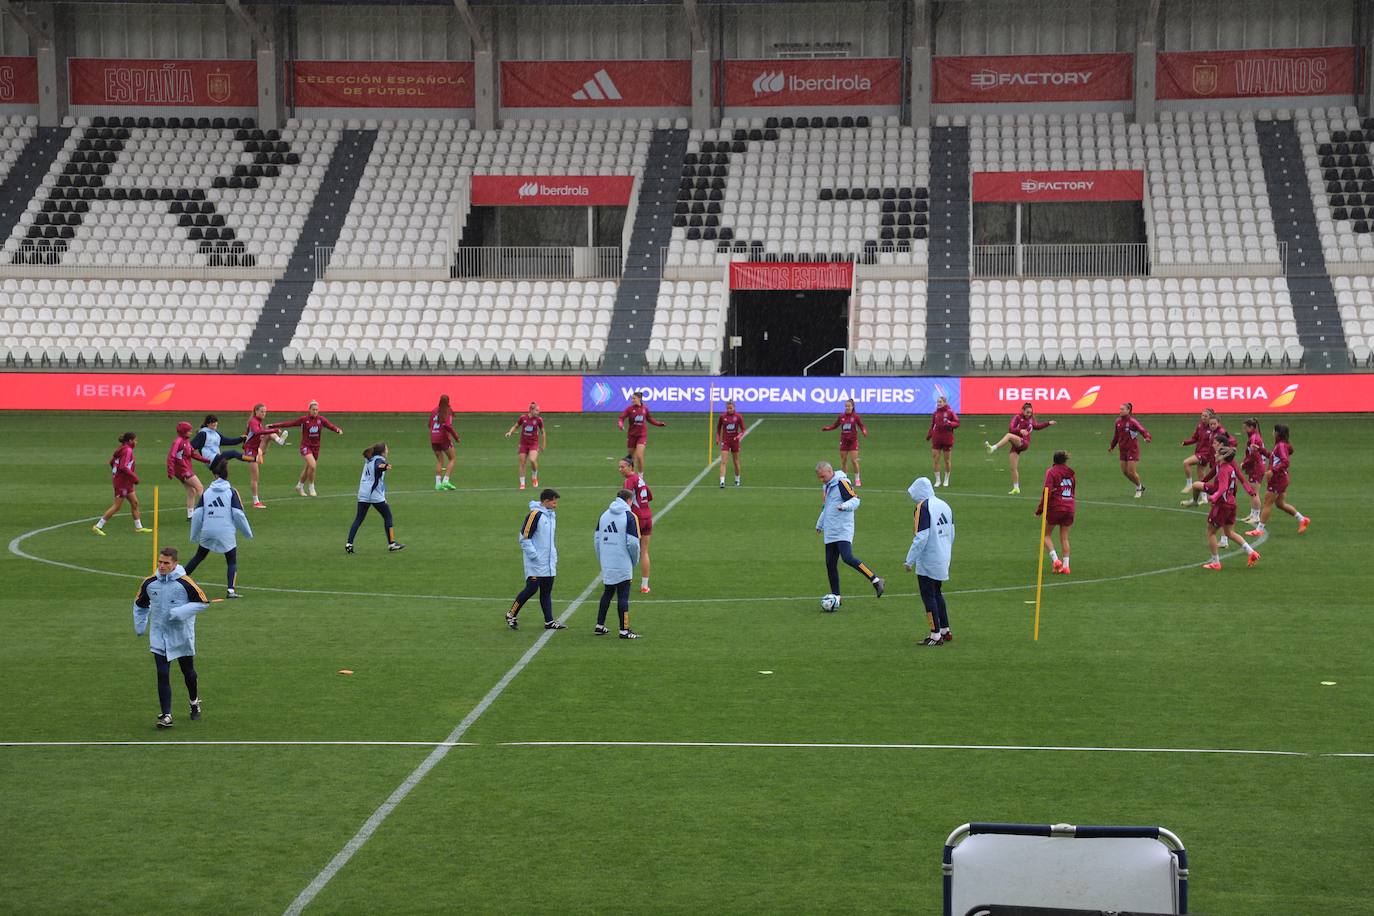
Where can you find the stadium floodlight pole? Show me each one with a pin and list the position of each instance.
(475, 33)
(1040, 571)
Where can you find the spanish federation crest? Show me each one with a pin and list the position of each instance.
(218, 87)
(1205, 78)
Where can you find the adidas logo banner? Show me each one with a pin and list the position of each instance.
(596, 84)
(831, 81)
(551, 190)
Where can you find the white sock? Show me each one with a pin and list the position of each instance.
(445, 478)
(1300, 517)
(312, 489)
(100, 523)
(644, 582)
(1260, 526)
(722, 480)
(944, 632)
(138, 523)
(190, 513)
(1223, 543)
(1066, 559)
(946, 478)
(1054, 557)
(438, 479)
(1248, 548)
(737, 481)
(1216, 558)
(522, 481)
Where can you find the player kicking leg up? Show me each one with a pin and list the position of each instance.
(836, 551)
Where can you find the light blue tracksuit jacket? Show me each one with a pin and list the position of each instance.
(836, 522)
(219, 516)
(933, 542)
(372, 483)
(617, 542)
(537, 540)
(166, 606)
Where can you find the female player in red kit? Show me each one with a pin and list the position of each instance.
(533, 440)
(643, 513)
(1019, 438)
(1255, 466)
(312, 423)
(1277, 483)
(1201, 441)
(1061, 483)
(255, 448)
(125, 481)
(1221, 491)
(179, 458)
(637, 433)
(442, 438)
(943, 423)
(1127, 437)
(850, 424)
(729, 432)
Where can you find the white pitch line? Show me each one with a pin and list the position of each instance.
(910, 747)
(379, 816)
(176, 743)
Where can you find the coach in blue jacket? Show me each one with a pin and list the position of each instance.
(931, 547)
(617, 550)
(166, 607)
(218, 519)
(541, 559)
(839, 502)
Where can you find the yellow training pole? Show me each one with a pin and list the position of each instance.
(1040, 571)
(154, 529)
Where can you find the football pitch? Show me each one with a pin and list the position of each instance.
(749, 754)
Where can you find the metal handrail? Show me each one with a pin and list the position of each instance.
(824, 355)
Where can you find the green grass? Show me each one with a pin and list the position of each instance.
(1181, 659)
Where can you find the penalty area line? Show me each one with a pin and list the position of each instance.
(369, 827)
(175, 743)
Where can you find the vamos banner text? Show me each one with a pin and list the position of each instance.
(1262, 73)
(1032, 78)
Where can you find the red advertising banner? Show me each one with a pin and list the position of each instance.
(552, 191)
(596, 83)
(1260, 73)
(182, 83)
(1176, 394)
(384, 84)
(18, 81)
(1033, 78)
(286, 393)
(829, 81)
(1040, 187)
(791, 275)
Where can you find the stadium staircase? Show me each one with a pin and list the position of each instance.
(285, 303)
(947, 293)
(1309, 286)
(632, 322)
(21, 184)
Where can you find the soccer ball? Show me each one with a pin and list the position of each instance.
(830, 603)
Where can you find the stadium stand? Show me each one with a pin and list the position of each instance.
(174, 194)
(1336, 150)
(467, 325)
(1355, 297)
(689, 326)
(144, 324)
(1137, 323)
(803, 189)
(15, 132)
(888, 331)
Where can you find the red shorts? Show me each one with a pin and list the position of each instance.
(1018, 449)
(730, 446)
(439, 446)
(1278, 483)
(1130, 451)
(189, 475)
(1204, 457)
(251, 456)
(526, 449)
(942, 443)
(310, 450)
(846, 446)
(1253, 475)
(646, 524)
(633, 442)
(123, 490)
(1221, 515)
(1059, 517)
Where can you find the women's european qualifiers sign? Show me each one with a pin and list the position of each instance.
(667, 394)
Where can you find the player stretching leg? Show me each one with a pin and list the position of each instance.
(729, 432)
(1018, 437)
(311, 424)
(179, 458)
(835, 525)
